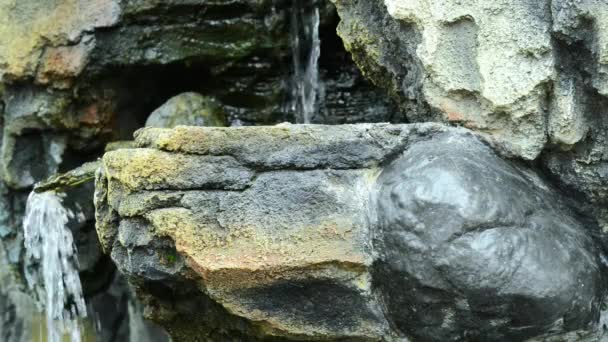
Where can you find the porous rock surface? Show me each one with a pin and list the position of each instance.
(188, 109)
(355, 232)
(499, 67)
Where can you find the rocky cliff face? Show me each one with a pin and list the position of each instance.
(76, 75)
(497, 231)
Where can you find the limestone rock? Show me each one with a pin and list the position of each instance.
(358, 232)
(82, 73)
(70, 69)
(497, 67)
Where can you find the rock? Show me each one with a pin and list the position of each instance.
(18, 308)
(16, 305)
(68, 83)
(117, 145)
(477, 249)
(188, 109)
(252, 265)
(496, 68)
(358, 232)
(70, 179)
(81, 75)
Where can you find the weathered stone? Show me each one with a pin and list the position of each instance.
(285, 146)
(412, 231)
(188, 109)
(262, 255)
(493, 67)
(76, 74)
(17, 307)
(70, 179)
(156, 170)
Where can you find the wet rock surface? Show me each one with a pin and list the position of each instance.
(413, 231)
(284, 233)
(76, 75)
(476, 249)
(188, 109)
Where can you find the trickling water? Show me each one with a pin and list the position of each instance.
(52, 265)
(306, 49)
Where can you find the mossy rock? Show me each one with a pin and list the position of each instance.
(188, 109)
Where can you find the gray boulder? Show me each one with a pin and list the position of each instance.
(475, 249)
(188, 109)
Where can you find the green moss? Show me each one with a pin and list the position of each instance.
(170, 259)
(70, 179)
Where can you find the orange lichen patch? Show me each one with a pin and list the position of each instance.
(223, 257)
(451, 110)
(93, 115)
(63, 63)
(28, 27)
(454, 116)
(472, 125)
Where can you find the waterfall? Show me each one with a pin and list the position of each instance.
(52, 265)
(306, 49)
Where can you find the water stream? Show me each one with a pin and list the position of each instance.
(306, 49)
(52, 265)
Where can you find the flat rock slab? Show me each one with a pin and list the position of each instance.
(364, 232)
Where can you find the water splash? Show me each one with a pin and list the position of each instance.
(52, 265)
(306, 50)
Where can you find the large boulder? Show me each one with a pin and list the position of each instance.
(475, 249)
(356, 232)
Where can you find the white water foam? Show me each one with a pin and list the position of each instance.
(52, 265)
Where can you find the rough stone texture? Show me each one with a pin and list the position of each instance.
(17, 306)
(68, 67)
(188, 109)
(291, 268)
(495, 67)
(356, 232)
(70, 179)
(530, 75)
(76, 74)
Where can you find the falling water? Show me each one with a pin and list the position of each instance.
(52, 265)
(306, 49)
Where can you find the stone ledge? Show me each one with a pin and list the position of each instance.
(360, 232)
